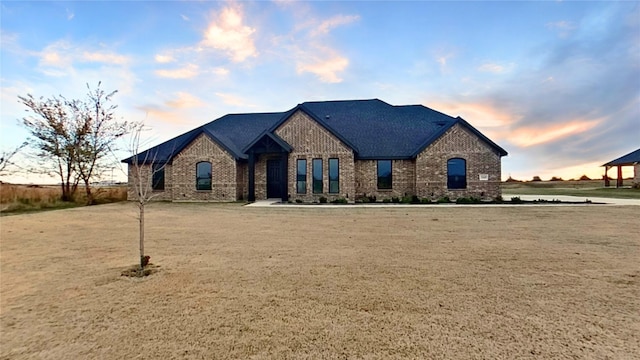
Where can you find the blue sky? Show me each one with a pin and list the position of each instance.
(557, 84)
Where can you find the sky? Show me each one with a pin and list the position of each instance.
(555, 83)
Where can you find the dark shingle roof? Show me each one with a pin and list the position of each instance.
(629, 159)
(372, 128)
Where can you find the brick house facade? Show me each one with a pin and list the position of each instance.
(333, 149)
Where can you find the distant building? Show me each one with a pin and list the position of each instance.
(331, 149)
(631, 159)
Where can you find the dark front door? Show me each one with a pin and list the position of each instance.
(274, 179)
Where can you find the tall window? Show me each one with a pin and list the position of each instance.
(334, 176)
(317, 176)
(157, 178)
(385, 177)
(456, 173)
(301, 177)
(203, 175)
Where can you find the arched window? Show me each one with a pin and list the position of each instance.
(203, 175)
(457, 173)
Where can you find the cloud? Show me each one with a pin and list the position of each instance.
(104, 57)
(185, 17)
(70, 14)
(234, 100)
(536, 135)
(164, 59)
(60, 57)
(495, 68)
(563, 28)
(227, 33)
(184, 100)
(325, 69)
(327, 25)
(220, 71)
(186, 72)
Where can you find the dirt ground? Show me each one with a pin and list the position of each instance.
(289, 283)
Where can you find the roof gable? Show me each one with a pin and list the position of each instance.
(373, 129)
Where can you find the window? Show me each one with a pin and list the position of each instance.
(317, 176)
(385, 177)
(457, 173)
(301, 177)
(157, 178)
(334, 176)
(203, 175)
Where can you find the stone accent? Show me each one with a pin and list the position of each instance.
(403, 179)
(636, 174)
(224, 172)
(309, 141)
(481, 159)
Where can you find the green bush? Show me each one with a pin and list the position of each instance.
(444, 199)
(339, 200)
(395, 200)
(322, 200)
(516, 200)
(386, 200)
(299, 201)
(425, 201)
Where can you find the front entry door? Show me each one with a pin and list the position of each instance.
(274, 179)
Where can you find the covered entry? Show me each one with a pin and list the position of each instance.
(276, 152)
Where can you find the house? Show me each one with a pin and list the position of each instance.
(630, 159)
(331, 149)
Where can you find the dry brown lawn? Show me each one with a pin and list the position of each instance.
(289, 283)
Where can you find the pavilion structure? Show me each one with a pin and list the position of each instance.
(631, 159)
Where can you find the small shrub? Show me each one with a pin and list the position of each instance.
(536, 178)
(299, 201)
(463, 200)
(395, 200)
(425, 201)
(516, 200)
(556, 179)
(339, 200)
(406, 200)
(386, 200)
(322, 200)
(444, 199)
(498, 199)
(372, 198)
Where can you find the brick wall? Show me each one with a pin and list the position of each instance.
(458, 142)
(309, 141)
(403, 179)
(223, 168)
(145, 175)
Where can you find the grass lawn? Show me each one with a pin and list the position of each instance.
(586, 189)
(278, 283)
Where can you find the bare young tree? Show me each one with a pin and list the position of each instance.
(143, 170)
(6, 164)
(75, 137)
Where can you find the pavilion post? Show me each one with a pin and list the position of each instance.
(619, 180)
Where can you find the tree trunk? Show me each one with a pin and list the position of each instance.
(142, 261)
(87, 187)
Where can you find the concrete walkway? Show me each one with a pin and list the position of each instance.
(565, 198)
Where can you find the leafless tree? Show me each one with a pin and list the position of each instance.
(6, 163)
(54, 137)
(99, 132)
(143, 168)
(75, 137)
